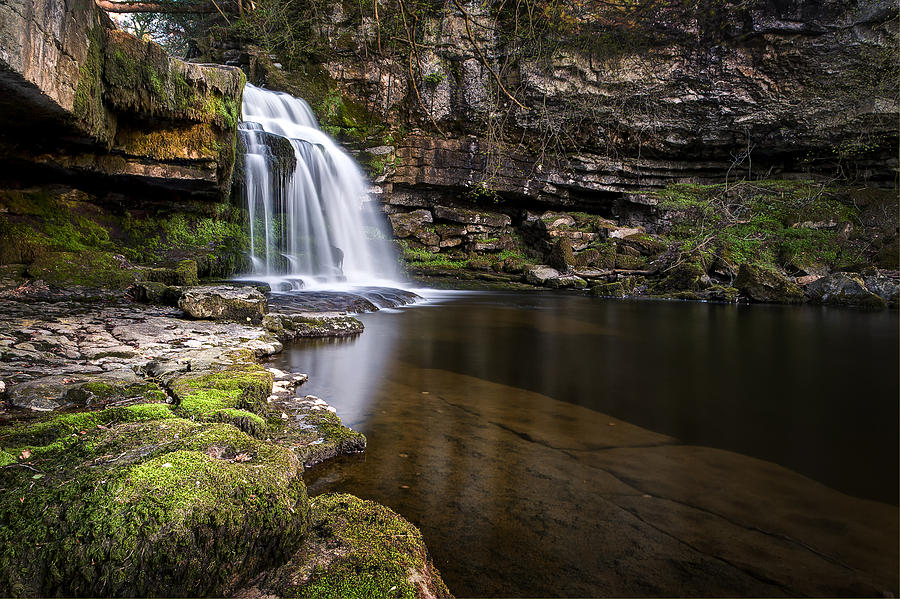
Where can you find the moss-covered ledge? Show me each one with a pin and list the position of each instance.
(195, 491)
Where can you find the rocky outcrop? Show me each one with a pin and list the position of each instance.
(80, 97)
(764, 285)
(605, 106)
(853, 289)
(224, 302)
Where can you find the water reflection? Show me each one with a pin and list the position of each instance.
(562, 446)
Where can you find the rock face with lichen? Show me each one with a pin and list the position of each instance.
(80, 97)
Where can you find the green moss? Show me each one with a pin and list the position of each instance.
(614, 289)
(248, 422)
(88, 268)
(242, 387)
(149, 508)
(382, 555)
(6, 458)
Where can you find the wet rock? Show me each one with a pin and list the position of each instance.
(885, 287)
(764, 285)
(288, 327)
(224, 302)
(844, 289)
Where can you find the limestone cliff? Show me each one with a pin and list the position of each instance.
(686, 95)
(78, 96)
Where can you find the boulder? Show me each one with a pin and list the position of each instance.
(567, 282)
(588, 257)
(844, 289)
(686, 276)
(763, 285)
(614, 289)
(224, 302)
(540, 274)
(288, 327)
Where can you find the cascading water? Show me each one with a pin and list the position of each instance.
(312, 222)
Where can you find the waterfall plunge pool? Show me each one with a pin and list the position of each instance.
(559, 445)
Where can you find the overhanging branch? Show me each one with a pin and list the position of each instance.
(156, 7)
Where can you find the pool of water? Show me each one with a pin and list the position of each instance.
(560, 445)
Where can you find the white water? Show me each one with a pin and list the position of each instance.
(316, 226)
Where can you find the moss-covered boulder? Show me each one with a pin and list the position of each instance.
(355, 549)
(764, 285)
(158, 506)
(686, 276)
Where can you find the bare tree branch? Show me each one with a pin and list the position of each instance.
(156, 7)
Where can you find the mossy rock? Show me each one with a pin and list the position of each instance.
(160, 507)
(90, 269)
(763, 285)
(561, 256)
(356, 549)
(239, 387)
(321, 437)
(614, 289)
(588, 257)
(626, 262)
(644, 244)
(686, 276)
(182, 274)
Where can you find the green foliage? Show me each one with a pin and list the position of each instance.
(776, 223)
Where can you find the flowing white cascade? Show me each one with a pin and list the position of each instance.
(314, 226)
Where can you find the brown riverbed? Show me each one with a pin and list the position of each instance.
(568, 446)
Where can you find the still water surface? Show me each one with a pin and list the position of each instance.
(556, 445)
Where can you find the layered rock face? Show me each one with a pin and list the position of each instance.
(83, 98)
(744, 90)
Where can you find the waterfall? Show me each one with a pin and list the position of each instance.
(312, 222)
